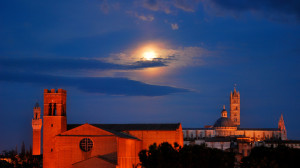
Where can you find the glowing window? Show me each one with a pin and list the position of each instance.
(86, 144)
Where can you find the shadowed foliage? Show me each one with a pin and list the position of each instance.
(264, 157)
(165, 155)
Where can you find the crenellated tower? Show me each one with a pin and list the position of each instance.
(36, 130)
(235, 107)
(55, 122)
(282, 128)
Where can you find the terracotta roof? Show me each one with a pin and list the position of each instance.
(260, 129)
(131, 127)
(118, 128)
(197, 128)
(116, 133)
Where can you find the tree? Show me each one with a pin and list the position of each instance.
(264, 157)
(166, 155)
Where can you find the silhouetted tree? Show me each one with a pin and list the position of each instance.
(23, 150)
(165, 155)
(264, 157)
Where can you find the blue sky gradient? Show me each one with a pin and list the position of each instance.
(95, 50)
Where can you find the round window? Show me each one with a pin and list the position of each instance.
(86, 144)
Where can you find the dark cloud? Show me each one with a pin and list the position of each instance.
(273, 9)
(61, 64)
(102, 85)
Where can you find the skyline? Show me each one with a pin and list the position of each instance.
(150, 61)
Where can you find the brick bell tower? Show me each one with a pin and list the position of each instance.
(36, 130)
(235, 107)
(55, 122)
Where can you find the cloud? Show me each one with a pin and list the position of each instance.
(174, 26)
(186, 5)
(170, 57)
(71, 64)
(100, 85)
(104, 6)
(148, 18)
(107, 6)
(158, 5)
(278, 10)
(283, 10)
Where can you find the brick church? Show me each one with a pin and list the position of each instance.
(92, 145)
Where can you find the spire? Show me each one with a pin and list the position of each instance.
(224, 112)
(281, 123)
(282, 128)
(36, 105)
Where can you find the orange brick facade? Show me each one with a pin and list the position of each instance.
(89, 145)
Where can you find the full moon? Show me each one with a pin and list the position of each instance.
(149, 55)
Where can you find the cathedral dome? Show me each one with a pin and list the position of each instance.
(224, 121)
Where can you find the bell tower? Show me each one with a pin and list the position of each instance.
(36, 130)
(55, 122)
(235, 107)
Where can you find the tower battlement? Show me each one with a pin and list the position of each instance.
(55, 91)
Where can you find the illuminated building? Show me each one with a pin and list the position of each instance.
(226, 130)
(36, 130)
(93, 145)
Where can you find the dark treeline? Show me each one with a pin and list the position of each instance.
(279, 157)
(165, 155)
(13, 159)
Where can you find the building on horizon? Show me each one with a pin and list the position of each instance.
(227, 133)
(93, 145)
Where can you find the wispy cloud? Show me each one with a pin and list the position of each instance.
(100, 85)
(174, 26)
(70, 64)
(171, 57)
(148, 18)
(107, 6)
(279, 10)
(186, 5)
(168, 6)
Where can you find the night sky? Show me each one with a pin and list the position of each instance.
(150, 61)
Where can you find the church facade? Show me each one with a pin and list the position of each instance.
(226, 127)
(92, 145)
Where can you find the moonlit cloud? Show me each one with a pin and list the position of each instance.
(186, 5)
(174, 26)
(142, 17)
(170, 57)
(168, 6)
(50, 65)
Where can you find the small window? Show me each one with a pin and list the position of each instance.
(86, 144)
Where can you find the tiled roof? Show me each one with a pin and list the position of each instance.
(260, 129)
(197, 128)
(116, 133)
(118, 128)
(131, 127)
